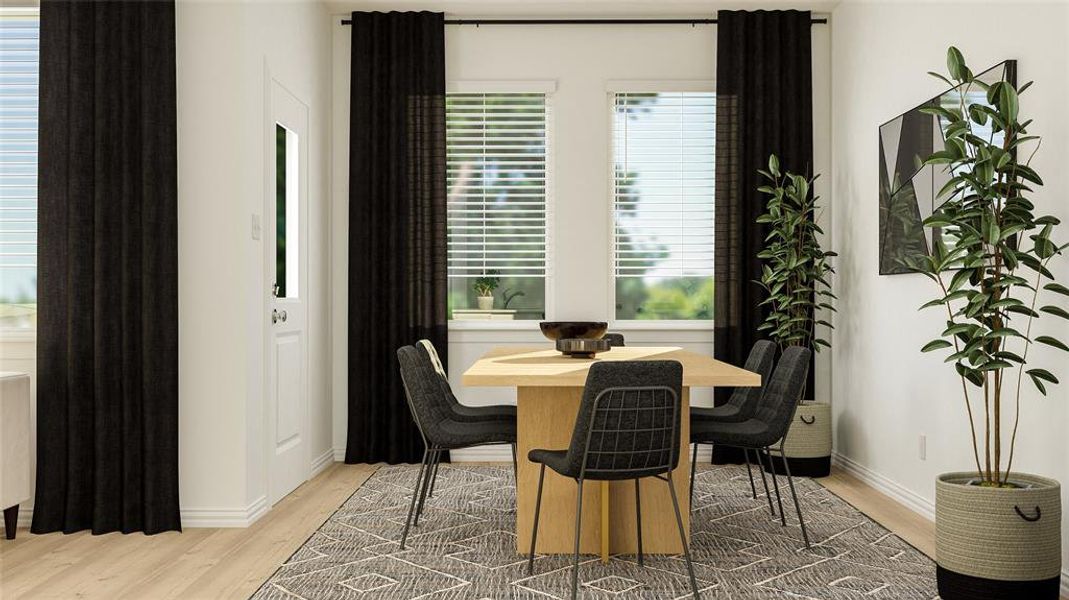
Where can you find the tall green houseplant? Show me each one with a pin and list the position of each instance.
(796, 269)
(990, 260)
(998, 531)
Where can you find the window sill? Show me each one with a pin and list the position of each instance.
(661, 326)
(493, 325)
(18, 335)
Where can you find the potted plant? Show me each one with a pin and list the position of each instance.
(998, 532)
(484, 289)
(795, 277)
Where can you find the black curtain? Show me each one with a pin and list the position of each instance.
(764, 105)
(397, 222)
(107, 329)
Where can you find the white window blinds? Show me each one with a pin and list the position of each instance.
(18, 166)
(663, 176)
(496, 168)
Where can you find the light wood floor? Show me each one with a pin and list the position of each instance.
(232, 563)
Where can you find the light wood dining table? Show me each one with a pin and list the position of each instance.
(549, 387)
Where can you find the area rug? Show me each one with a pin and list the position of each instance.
(465, 547)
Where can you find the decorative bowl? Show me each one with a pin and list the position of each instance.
(582, 348)
(578, 330)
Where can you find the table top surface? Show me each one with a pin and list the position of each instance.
(543, 366)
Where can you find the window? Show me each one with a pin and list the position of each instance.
(663, 175)
(18, 168)
(496, 175)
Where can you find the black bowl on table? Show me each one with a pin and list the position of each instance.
(573, 330)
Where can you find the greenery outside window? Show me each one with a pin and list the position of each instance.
(663, 205)
(497, 183)
(19, 34)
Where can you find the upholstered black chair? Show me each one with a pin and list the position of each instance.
(741, 406)
(770, 421)
(440, 428)
(614, 339)
(463, 412)
(627, 428)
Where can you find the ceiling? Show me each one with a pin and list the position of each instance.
(576, 8)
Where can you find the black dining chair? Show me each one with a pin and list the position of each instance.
(473, 414)
(770, 422)
(627, 428)
(439, 427)
(741, 406)
(614, 339)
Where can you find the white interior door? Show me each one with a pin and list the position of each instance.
(286, 261)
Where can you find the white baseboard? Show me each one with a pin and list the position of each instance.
(339, 454)
(897, 492)
(905, 496)
(322, 462)
(502, 453)
(225, 517)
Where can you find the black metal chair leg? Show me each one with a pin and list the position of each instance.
(775, 484)
(415, 492)
(764, 481)
(578, 530)
(749, 471)
(682, 536)
(534, 532)
(638, 520)
(515, 470)
(434, 475)
(794, 494)
(426, 486)
(693, 471)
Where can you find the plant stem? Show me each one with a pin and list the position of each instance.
(964, 385)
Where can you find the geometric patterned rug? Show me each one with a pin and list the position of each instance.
(465, 547)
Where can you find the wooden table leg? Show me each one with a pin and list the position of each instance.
(546, 417)
(605, 521)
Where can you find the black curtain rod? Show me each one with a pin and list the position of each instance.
(478, 22)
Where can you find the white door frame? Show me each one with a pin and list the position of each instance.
(274, 89)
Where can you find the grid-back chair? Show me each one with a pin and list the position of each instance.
(740, 406)
(439, 427)
(770, 423)
(627, 428)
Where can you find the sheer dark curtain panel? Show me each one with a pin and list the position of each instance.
(107, 329)
(397, 222)
(764, 105)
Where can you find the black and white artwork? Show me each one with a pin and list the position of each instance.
(908, 188)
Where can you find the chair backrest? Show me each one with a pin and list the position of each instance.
(628, 422)
(435, 359)
(760, 360)
(436, 363)
(783, 391)
(423, 389)
(614, 339)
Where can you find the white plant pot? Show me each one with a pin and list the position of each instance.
(807, 447)
(485, 302)
(994, 543)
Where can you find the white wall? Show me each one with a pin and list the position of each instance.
(224, 50)
(886, 393)
(581, 60)
(221, 55)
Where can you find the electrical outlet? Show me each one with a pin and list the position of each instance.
(257, 228)
(922, 447)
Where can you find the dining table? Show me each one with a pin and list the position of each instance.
(549, 388)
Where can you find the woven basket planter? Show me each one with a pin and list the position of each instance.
(996, 543)
(808, 443)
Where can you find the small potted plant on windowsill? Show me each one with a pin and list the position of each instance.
(795, 278)
(998, 532)
(484, 289)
